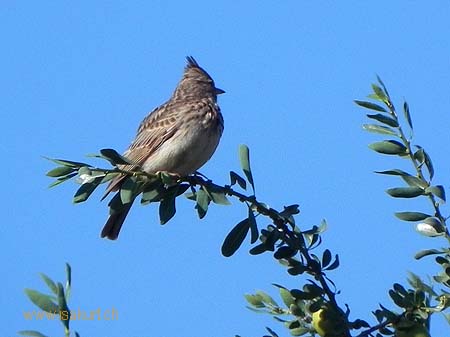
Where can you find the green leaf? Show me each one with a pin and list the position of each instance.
(437, 190)
(64, 309)
(266, 298)
(235, 238)
(128, 190)
(429, 164)
(273, 333)
(284, 252)
(390, 147)
(384, 130)
(415, 181)
(300, 331)
(68, 163)
(371, 106)
(383, 86)
(60, 171)
(407, 114)
(411, 216)
(334, 264)
(31, 333)
(236, 178)
(398, 300)
(167, 205)
(255, 300)
(50, 284)
(384, 119)
(286, 296)
(254, 233)
(400, 289)
(68, 279)
(43, 301)
(110, 176)
(244, 156)
(326, 257)
(302, 295)
(153, 191)
(259, 249)
(379, 93)
(202, 200)
(62, 179)
(394, 172)
(427, 252)
(218, 197)
(85, 190)
(115, 158)
(405, 192)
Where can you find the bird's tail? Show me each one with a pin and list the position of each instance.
(115, 221)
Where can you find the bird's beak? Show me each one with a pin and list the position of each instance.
(219, 91)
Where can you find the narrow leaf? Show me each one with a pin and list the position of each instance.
(437, 190)
(115, 158)
(429, 165)
(43, 301)
(31, 333)
(62, 179)
(397, 298)
(235, 238)
(415, 181)
(384, 119)
(394, 172)
(326, 257)
(85, 190)
(411, 216)
(68, 163)
(236, 178)
(244, 157)
(390, 147)
(202, 200)
(405, 192)
(334, 264)
(219, 198)
(272, 333)
(50, 284)
(255, 300)
(380, 129)
(383, 86)
(64, 309)
(153, 191)
(167, 206)
(68, 275)
(128, 190)
(286, 296)
(379, 93)
(60, 171)
(371, 106)
(427, 252)
(253, 226)
(407, 114)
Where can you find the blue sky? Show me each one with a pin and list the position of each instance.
(80, 76)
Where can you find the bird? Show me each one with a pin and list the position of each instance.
(177, 137)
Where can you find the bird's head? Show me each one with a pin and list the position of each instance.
(196, 82)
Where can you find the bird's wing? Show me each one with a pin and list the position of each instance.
(159, 126)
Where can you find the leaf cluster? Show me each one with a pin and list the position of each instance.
(55, 303)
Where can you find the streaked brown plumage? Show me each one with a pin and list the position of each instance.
(178, 137)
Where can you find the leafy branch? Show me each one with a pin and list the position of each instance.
(313, 308)
(290, 245)
(417, 302)
(54, 304)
